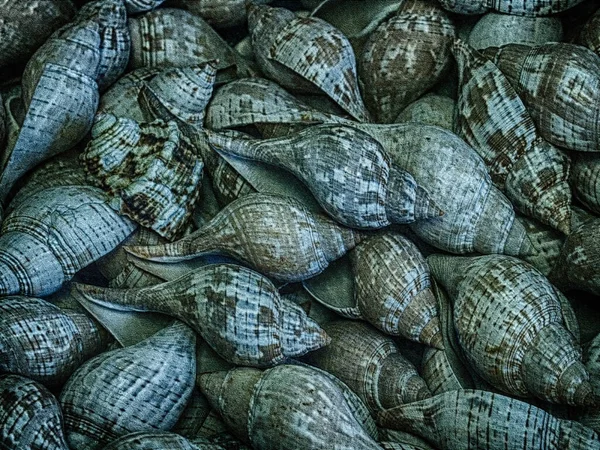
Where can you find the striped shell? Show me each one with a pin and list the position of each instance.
(220, 13)
(473, 420)
(237, 311)
(585, 179)
(590, 34)
(532, 8)
(493, 120)
(30, 417)
(590, 416)
(156, 440)
(511, 326)
(370, 364)
(306, 55)
(139, 6)
(144, 387)
(546, 244)
(405, 57)
(287, 407)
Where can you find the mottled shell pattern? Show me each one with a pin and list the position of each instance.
(590, 34)
(585, 179)
(220, 13)
(144, 387)
(532, 8)
(430, 109)
(510, 324)
(237, 311)
(139, 6)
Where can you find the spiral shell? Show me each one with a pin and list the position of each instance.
(156, 440)
(287, 407)
(405, 57)
(585, 179)
(139, 6)
(473, 419)
(590, 417)
(220, 13)
(431, 109)
(307, 55)
(494, 121)
(144, 387)
(510, 323)
(546, 244)
(236, 310)
(30, 417)
(533, 8)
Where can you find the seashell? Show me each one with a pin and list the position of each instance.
(558, 83)
(431, 109)
(370, 364)
(589, 36)
(220, 13)
(531, 8)
(139, 6)
(306, 55)
(170, 37)
(42, 342)
(237, 311)
(368, 193)
(144, 387)
(474, 419)
(492, 119)
(151, 169)
(288, 243)
(496, 30)
(590, 417)
(545, 242)
(55, 121)
(25, 26)
(155, 440)
(30, 417)
(511, 326)
(477, 217)
(115, 42)
(585, 174)
(318, 414)
(405, 57)
(52, 235)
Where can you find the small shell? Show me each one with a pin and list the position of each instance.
(237, 311)
(288, 242)
(139, 6)
(532, 8)
(472, 420)
(431, 109)
(370, 364)
(220, 13)
(287, 407)
(53, 234)
(405, 57)
(30, 417)
(585, 179)
(368, 193)
(590, 34)
(144, 387)
(41, 342)
(150, 168)
(494, 121)
(510, 323)
(306, 55)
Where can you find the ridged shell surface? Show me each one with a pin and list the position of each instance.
(140, 6)
(585, 179)
(145, 440)
(532, 8)
(431, 109)
(220, 13)
(590, 34)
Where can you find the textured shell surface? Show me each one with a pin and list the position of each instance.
(511, 326)
(347, 171)
(585, 179)
(532, 8)
(560, 85)
(25, 26)
(276, 235)
(478, 420)
(370, 364)
(590, 417)
(590, 34)
(287, 407)
(477, 217)
(153, 440)
(306, 54)
(546, 244)
(237, 311)
(30, 416)
(54, 234)
(170, 37)
(431, 109)
(494, 121)
(405, 57)
(496, 30)
(44, 343)
(220, 13)
(140, 6)
(151, 168)
(144, 387)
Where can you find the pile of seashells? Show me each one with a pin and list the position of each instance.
(363, 224)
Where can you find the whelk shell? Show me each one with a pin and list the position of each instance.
(139, 6)
(220, 13)
(516, 7)
(431, 109)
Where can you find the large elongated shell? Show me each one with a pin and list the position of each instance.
(405, 57)
(510, 323)
(532, 8)
(220, 13)
(477, 217)
(348, 172)
(370, 364)
(276, 235)
(25, 26)
(41, 342)
(237, 311)
(493, 120)
(54, 234)
(151, 168)
(286, 407)
(560, 85)
(473, 420)
(30, 417)
(306, 54)
(144, 387)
